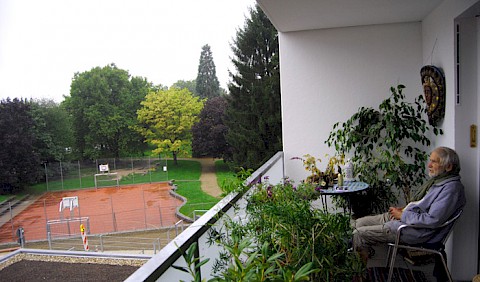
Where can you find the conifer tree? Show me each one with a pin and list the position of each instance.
(253, 113)
(207, 82)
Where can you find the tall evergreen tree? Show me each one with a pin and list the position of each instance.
(254, 114)
(207, 81)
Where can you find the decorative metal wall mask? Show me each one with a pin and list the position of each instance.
(433, 82)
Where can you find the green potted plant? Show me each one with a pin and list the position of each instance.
(386, 146)
(285, 239)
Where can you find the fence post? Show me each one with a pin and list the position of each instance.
(114, 222)
(79, 174)
(150, 168)
(133, 174)
(46, 174)
(61, 174)
(49, 237)
(160, 213)
(144, 209)
(101, 242)
(68, 226)
(11, 217)
(45, 210)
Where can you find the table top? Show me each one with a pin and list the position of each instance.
(348, 187)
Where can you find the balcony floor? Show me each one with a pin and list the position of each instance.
(379, 260)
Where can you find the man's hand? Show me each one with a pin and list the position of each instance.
(395, 212)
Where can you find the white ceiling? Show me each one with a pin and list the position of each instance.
(295, 15)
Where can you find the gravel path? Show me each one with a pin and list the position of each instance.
(208, 177)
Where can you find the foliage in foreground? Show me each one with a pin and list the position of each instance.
(285, 239)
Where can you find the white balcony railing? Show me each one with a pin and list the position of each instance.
(159, 267)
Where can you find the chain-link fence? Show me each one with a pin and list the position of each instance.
(87, 174)
(103, 211)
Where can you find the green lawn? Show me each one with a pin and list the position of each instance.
(223, 172)
(4, 197)
(196, 198)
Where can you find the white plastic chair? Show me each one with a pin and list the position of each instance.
(435, 248)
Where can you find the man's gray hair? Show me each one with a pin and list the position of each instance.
(448, 157)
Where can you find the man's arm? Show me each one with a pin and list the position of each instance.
(436, 207)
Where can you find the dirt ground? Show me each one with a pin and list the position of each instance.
(109, 209)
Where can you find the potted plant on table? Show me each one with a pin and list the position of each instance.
(387, 148)
(318, 177)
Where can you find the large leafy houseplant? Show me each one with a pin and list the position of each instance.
(386, 146)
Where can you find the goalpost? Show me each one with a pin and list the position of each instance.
(106, 175)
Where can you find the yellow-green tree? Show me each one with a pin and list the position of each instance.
(166, 119)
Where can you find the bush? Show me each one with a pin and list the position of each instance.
(286, 231)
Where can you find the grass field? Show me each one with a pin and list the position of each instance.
(4, 197)
(196, 198)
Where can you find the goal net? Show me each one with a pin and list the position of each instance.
(67, 227)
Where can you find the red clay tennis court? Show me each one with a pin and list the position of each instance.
(111, 209)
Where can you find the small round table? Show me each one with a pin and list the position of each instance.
(348, 188)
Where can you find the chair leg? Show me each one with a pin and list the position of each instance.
(387, 259)
(446, 267)
(392, 263)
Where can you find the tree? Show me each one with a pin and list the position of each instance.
(19, 158)
(166, 119)
(103, 104)
(207, 81)
(254, 110)
(209, 133)
(191, 85)
(54, 129)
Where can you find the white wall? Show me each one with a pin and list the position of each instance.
(326, 75)
(438, 30)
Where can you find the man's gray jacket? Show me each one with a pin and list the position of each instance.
(441, 202)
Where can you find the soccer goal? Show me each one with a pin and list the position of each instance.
(66, 227)
(108, 178)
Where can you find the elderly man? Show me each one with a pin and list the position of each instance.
(438, 200)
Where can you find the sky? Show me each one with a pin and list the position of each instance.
(44, 43)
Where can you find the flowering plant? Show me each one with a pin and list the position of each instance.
(266, 192)
(322, 178)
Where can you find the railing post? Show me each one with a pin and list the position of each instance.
(160, 213)
(49, 237)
